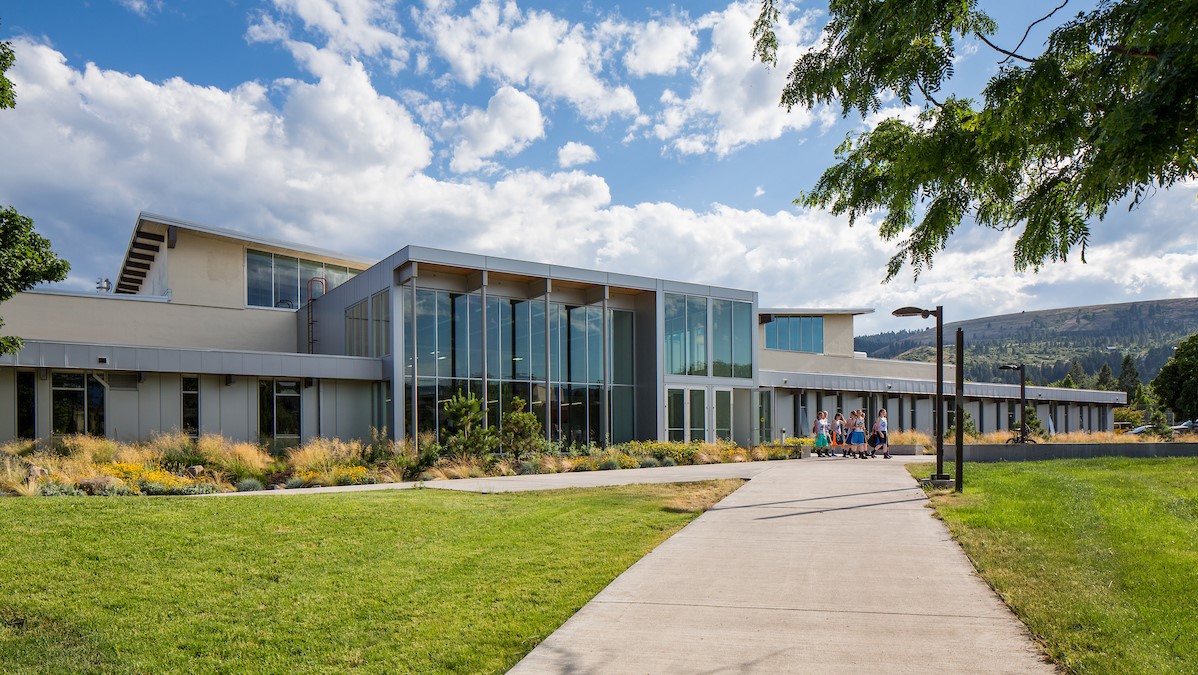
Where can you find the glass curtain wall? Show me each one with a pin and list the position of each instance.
(274, 280)
(448, 338)
(732, 338)
(795, 334)
(686, 334)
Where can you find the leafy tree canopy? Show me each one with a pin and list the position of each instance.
(1176, 386)
(25, 257)
(1108, 109)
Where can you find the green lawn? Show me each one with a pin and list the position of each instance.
(395, 581)
(1098, 557)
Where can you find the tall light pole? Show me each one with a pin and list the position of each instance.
(939, 414)
(960, 400)
(1022, 368)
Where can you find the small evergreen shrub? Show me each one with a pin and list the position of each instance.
(609, 464)
(668, 461)
(528, 467)
(649, 462)
(249, 485)
(294, 482)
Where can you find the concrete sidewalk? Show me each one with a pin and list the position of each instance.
(823, 565)
(548, 481)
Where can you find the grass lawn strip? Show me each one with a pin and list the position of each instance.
(1098, 557)
(412, 581)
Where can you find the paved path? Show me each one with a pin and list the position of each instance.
(823, 565)
(552, 481)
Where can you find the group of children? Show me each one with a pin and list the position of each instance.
(849, 435)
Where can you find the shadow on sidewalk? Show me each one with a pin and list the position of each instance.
(841, 508)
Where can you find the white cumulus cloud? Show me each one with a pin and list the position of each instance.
(531, 48)
(511, 121)
(574, 154)
(660, 48)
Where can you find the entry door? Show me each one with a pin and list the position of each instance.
(723, 414)
(686, 415)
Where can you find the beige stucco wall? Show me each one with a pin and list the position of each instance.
(111, 319)
(838, 335)
(205, 270)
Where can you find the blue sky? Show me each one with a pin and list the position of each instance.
(638, 139)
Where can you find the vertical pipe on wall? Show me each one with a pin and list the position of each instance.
(548, 365)
(960, 399)
(604, 406)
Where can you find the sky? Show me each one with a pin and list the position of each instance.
(626, 138)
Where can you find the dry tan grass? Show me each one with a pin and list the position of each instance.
(322, 454)
(238, 459)
(448, 469)
(911, 438)
(554, 464)
(698, 497)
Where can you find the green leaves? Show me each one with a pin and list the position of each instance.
(1176, 386)
(25, 261)
(1108, 110)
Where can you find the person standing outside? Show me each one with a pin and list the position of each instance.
(821, 434)
(857, 433)
(880, 430)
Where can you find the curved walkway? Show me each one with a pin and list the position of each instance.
(819, 565)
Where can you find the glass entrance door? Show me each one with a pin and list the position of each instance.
(723, 414)
(686, 415)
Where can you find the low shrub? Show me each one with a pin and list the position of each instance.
(609, 464)
(294, 482)
(648, 462)
(53, 488)
(529, 467)
(585, 464)
(249, 485)
(668, 461)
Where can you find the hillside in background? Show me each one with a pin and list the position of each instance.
(1049, 341)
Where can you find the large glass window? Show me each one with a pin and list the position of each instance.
(698, 415)
(286, 282)
(259, 276)
(78, 404)
(795, 334)
(732, 338)
(357, 329)
(26, 405)
(282, 281)
(191, 406)
(380, 324)
(686, 334)
(279, 409)
(765, 416)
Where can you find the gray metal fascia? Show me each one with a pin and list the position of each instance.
(814, 311)
(831, 382)
(42, 354)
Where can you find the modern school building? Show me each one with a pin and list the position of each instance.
(208, 330)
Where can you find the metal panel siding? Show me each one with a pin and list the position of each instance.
(121, 415)
(8, 404)
(353, 410)
(210, 391)
(239, 409)
(150, 406)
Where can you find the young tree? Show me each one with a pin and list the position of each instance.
(1105, 111)
(470, 438)
(26, 259)
(520, 434)
(1176, 386)
(1106, 379)
(1129, 377)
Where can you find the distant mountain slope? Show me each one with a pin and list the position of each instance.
(1049, 340)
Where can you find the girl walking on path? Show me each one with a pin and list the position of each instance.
(880, 430)
(821, 430)
(838, 433)
(857, 434)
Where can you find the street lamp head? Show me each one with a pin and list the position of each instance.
(913, 311)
